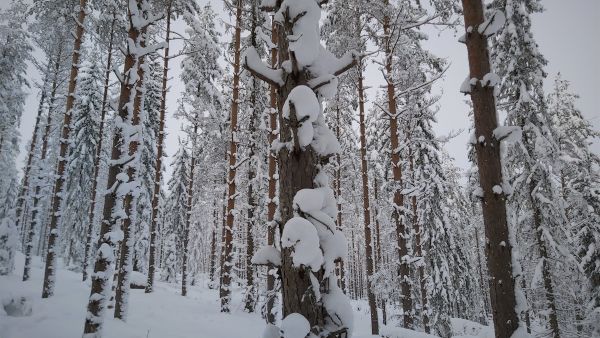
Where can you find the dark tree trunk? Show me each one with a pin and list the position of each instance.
(272, 189)
(49, 271)
(88, 240)
(36, 197)
(419, 253)
(498, 247)
(186, 231)
(225, 289)
(366, 205)
(398, 214)
(25, 186)
(159, 156)
(123, 284)
(107, 242)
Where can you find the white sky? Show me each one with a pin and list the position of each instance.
(566, 33)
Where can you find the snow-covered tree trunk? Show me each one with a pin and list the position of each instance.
(272, 170)
(119, 176)
(419, 254)
(398, 200)
(498, 247)
(225, 289)
(57, 195)
(310, 242)
(132, 138)
(188, 214)
(159, 156)
(364, 170)
(88, 239)
(36, 194)
(24, 191)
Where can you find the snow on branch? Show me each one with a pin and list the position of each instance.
(267, 255)
(510, 134)
(258, 68)
(493, 24)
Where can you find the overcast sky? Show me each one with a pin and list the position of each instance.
(567, 34)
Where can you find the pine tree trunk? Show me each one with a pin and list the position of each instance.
(88, 239)
(419, 253)
(498, 247)
(225, 289)
(272, 189)
(159, 156)
(50, 270)
(213, 246)
(546, 277)
(366, 204)
(123, 284)
(36, 196)
(338, 192)
(25, 186)
(107, 240)
(186, 231)
(398, 214)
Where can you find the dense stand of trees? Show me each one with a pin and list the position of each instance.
(292, 177)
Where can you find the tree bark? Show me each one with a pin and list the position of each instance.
(123, 284)
(498, 247)
(49, 271)
(186, 231)
(107, 240)
(366, 204)
(419, 254)
(338, 192)
(272, 189)
(159, 156)
(225, 289)
(546, 277)
(25, 186)
(36, 197)
(398, 213)
(88, 240)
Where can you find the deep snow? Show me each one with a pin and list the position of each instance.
(163, 313)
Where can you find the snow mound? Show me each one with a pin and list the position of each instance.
(137, 280)
(462, 328)
(17, 306)
(295, 326)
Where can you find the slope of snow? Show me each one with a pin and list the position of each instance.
(164, 313)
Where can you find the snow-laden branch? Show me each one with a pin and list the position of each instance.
(258, 68)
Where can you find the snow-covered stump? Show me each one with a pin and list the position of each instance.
(306, 74)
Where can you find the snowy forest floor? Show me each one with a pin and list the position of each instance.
(161, 314)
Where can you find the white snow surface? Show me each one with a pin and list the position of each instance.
(163, 313)
(295, 326)
(301, 235)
